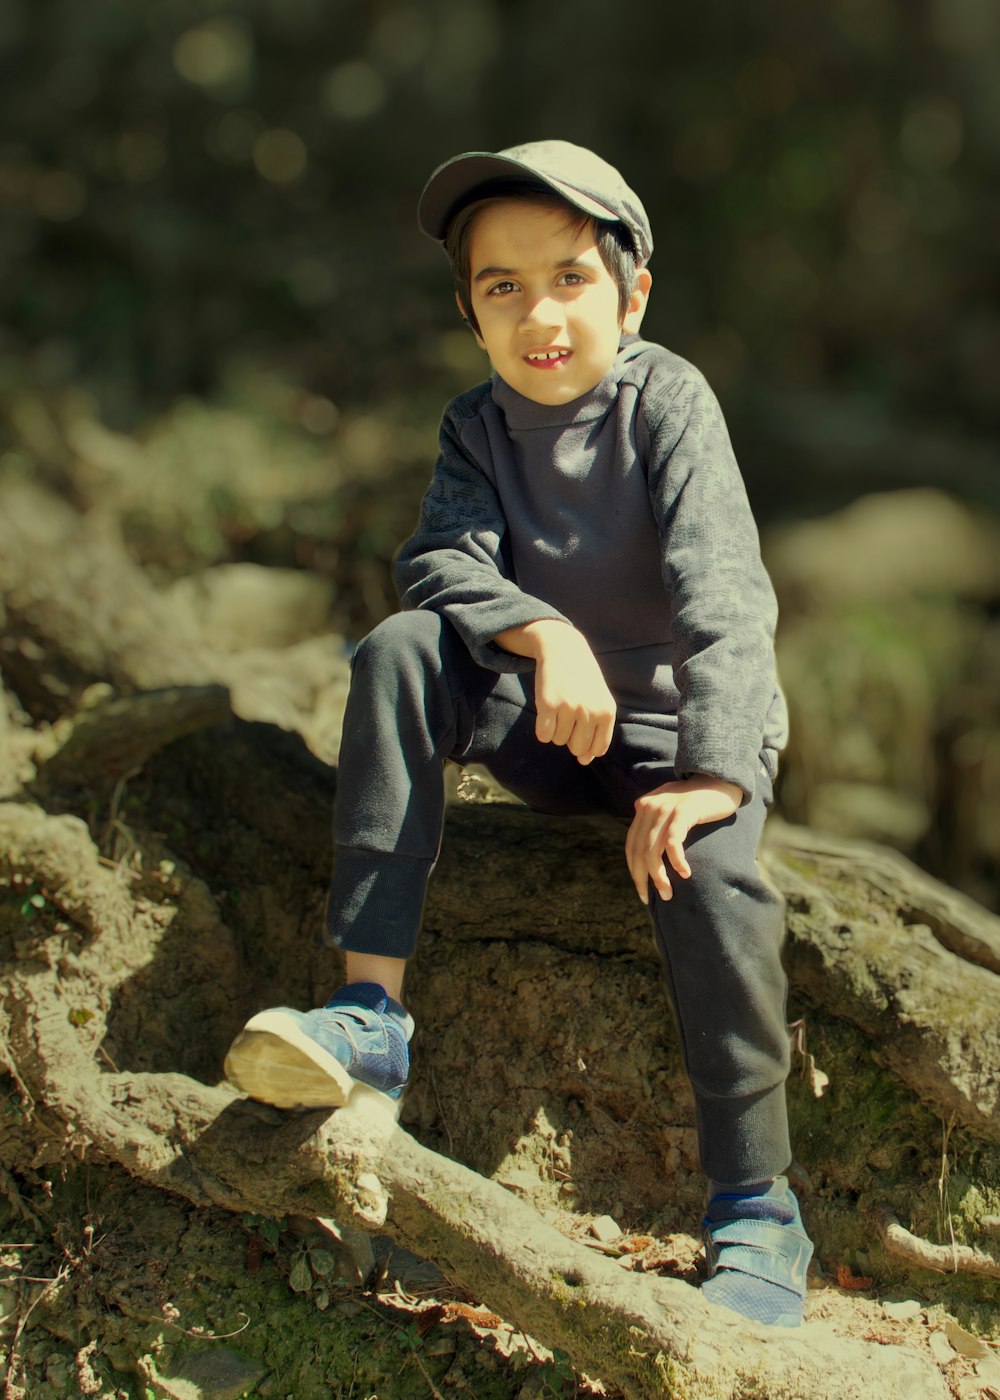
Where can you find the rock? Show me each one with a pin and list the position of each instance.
(988, 1371)
(870, 812)
(242, 606)
(605, 1229)
(518, 1179)
(57, 1371)
(902, 1312)
(219, 1374)
(887, 547)
(942, 1351)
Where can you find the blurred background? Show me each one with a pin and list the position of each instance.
(220, 327)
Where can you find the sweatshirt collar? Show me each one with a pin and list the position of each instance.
(521, 412)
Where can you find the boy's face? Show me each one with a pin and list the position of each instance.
(547, 306)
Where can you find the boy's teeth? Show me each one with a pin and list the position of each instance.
(547, 355)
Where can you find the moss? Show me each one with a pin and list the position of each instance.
(150, 1252)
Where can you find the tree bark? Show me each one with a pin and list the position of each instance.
(647, 1335)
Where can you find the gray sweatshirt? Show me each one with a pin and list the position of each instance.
(623, 513)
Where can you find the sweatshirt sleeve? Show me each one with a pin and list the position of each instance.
(454, 562)
(723, 605)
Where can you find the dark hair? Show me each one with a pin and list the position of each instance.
(613, 240)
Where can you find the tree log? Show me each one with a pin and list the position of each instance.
(109, 738)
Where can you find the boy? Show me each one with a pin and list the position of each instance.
(586, 613)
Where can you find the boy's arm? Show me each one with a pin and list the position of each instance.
(573, 704)
(663, 818)
(722, 603)
(452, 564)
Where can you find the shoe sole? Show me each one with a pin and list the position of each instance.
(273, 1061)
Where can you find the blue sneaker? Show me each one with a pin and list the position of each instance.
(758, 1253)
(315, 1059)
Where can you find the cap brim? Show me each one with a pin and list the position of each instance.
(452, 183)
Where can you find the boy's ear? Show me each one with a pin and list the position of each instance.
(465, 317)
(637, 301)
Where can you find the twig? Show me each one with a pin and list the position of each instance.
(126, 871)
(397, 1327)
(199, 1333)
(427, 1377)
(943, 1258)
(529, 1343)
(11, 1388)
(8, 1062)
(944, 1204)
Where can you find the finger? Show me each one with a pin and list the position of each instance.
(603, 733)
(673, 847)
(581, 741)
(545, 723)
(545, 714)
(653, 837)
(604, 729)
(649, 867)
(656, 871)
(636, 866)
(565, 723)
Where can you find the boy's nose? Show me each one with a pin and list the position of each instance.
(544, 312)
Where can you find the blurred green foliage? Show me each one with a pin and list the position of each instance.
(219, 321)
(182, 178)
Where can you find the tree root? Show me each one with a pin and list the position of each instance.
(942, 1258)
(645, 1334)
(96, 747)
(925, 992)
(960, 925)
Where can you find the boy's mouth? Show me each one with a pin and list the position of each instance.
(547, 359)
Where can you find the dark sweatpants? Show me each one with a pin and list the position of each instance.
(417, 698)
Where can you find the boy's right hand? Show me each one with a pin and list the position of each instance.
(573, 703)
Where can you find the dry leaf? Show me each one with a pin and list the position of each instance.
(846, 1278)
(479, 1317)
(634, 1243)
(964, 1342)
(818, 1081)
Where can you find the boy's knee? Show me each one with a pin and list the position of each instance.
(724, 865)
(713, 861)
(400, 639)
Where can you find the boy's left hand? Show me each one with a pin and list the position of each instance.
(661, 824)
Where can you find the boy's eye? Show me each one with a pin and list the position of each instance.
(501, 288)
(572, 279)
